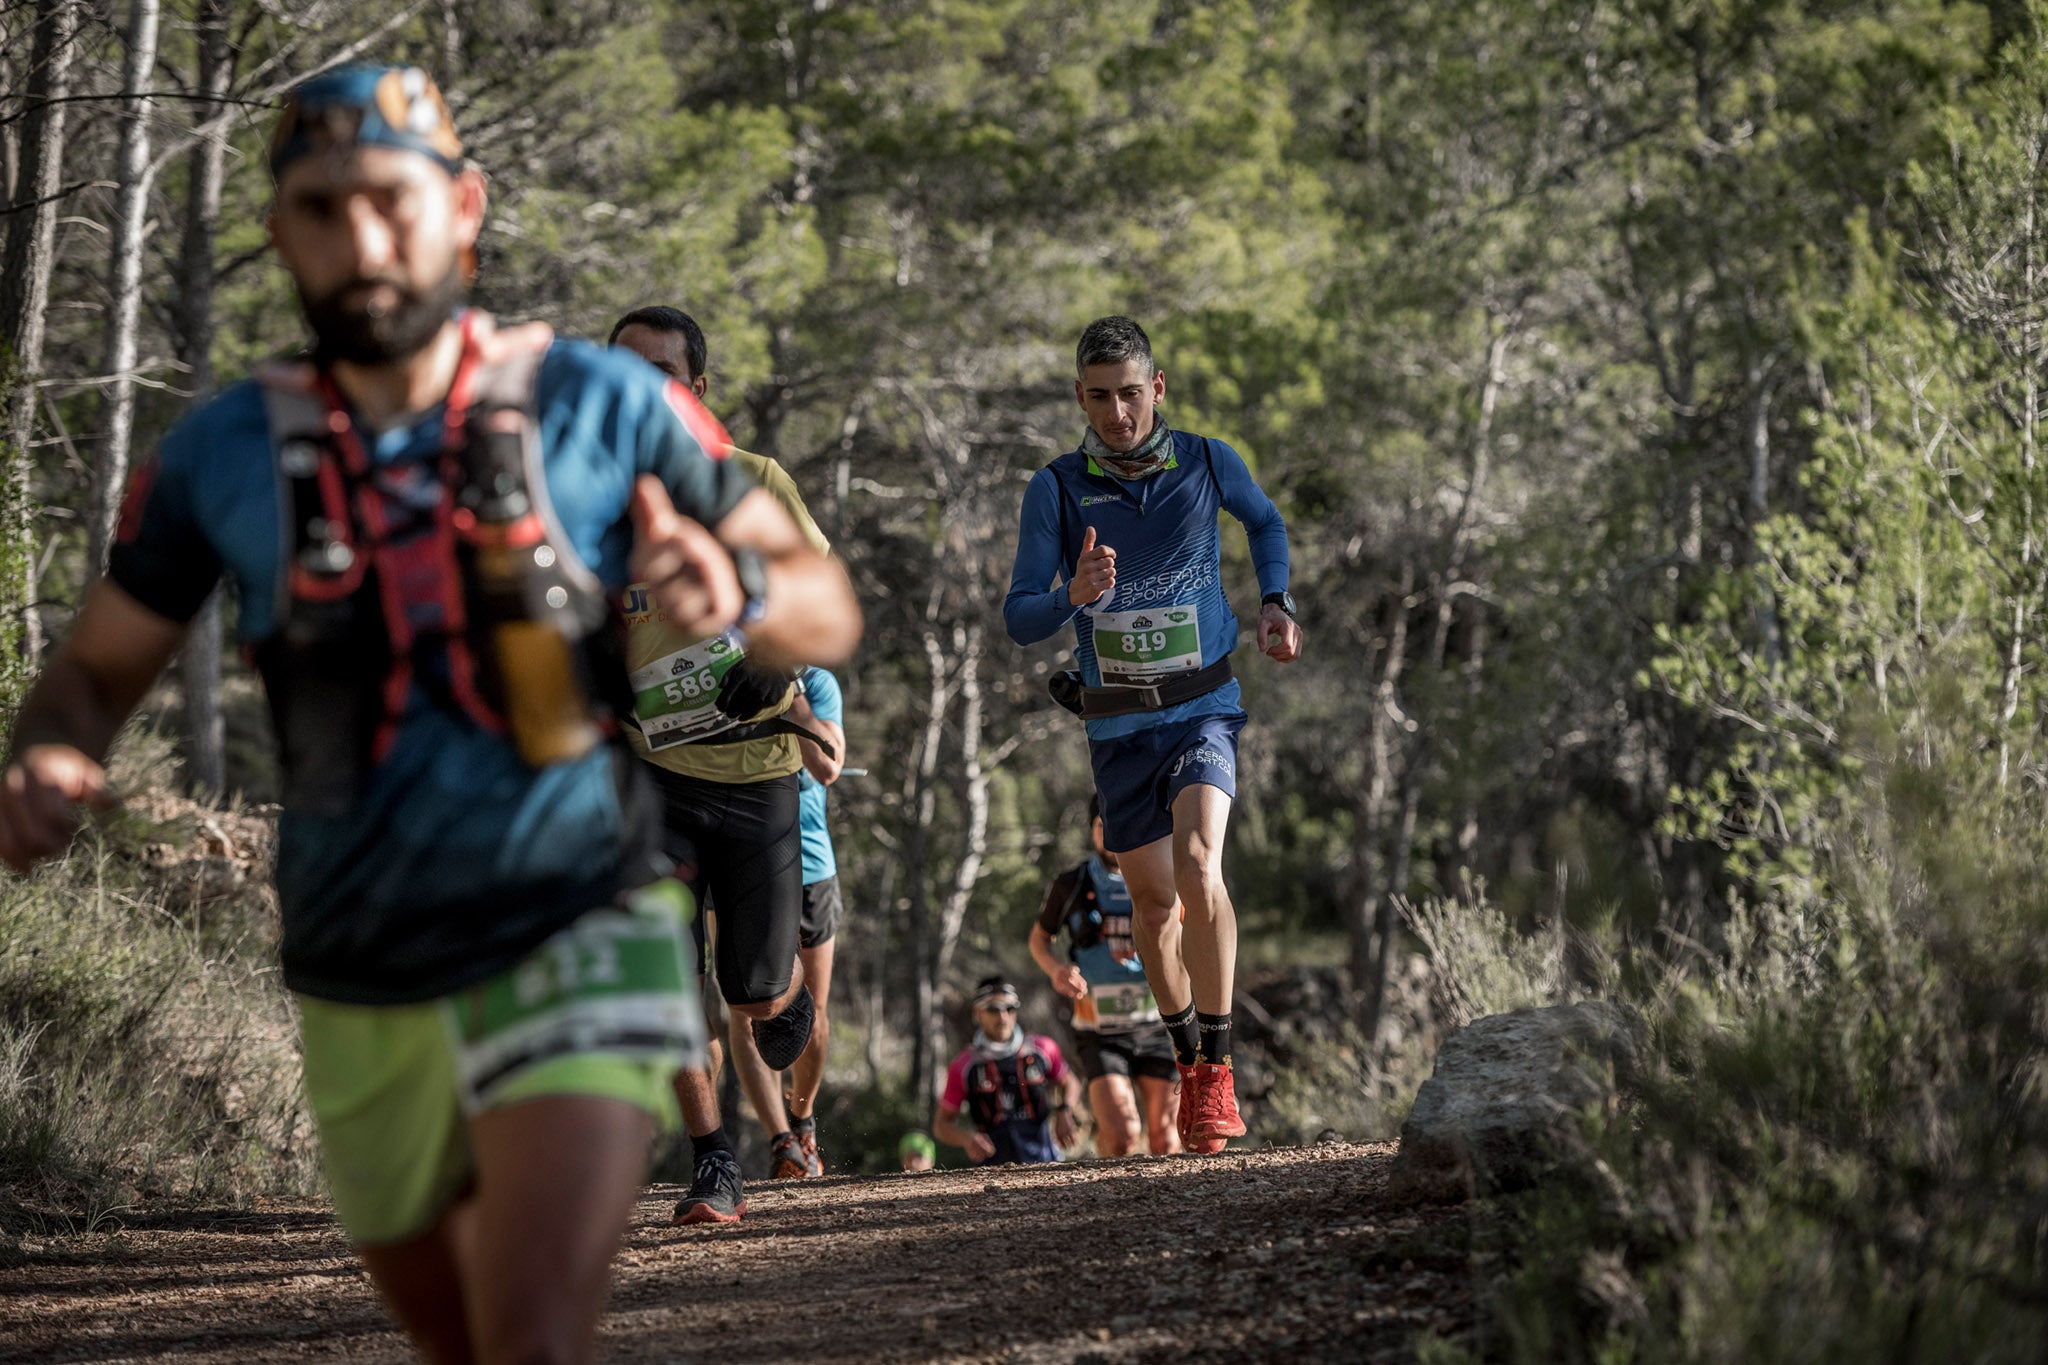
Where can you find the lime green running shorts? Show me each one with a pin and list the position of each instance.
(606, 1008)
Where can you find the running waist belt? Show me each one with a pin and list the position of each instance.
(1100, 703)
(762, 729)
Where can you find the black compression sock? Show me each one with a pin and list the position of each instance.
(1215, 1038)
(1181, 1028)
(713, 1141)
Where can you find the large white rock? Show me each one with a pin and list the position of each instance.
(1505, 1089)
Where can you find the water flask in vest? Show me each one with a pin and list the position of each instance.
(529, 608)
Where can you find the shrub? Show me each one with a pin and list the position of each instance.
(147, 1051)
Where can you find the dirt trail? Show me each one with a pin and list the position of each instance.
(1288, 1254)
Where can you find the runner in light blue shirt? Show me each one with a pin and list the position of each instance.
(820, 709)
(1120, 537)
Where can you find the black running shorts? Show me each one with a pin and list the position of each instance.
(821, 912)
(741, 840)
(1148, 1052)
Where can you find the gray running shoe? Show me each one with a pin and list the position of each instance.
(716, 1194)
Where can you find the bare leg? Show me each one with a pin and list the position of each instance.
(1116, 1115)
(763, 1087)
(1161, 1099)
(1155, 922)
(556, 1181)
(697, 1094)
(809, 1072)
(1209, 935)
(422, 1286)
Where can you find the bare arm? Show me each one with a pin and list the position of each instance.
(1066, 1119)
(93, 681)
(947, 1128)
(812, 617)
(1065, 976)
(819, 764)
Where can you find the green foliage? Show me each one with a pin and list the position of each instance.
(145, 1053)
(1840, 1149)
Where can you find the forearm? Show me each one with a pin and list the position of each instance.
(1270, 558)
(812, 616)
(1033, 616)
(819, 764)
(97, 676)
(1041, 951)
(66, 707)
(947, 1128)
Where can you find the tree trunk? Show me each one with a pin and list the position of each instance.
(25, 267)
(926, 1043)
(199, 665)
(974, 791)
(124, 277)
(1374, 918)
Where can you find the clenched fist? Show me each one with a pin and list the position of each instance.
(1094, 572)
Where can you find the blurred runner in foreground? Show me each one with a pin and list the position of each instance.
(427, 521)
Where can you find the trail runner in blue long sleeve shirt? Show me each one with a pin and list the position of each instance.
(1120, 537)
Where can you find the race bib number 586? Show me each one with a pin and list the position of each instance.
(672, 696)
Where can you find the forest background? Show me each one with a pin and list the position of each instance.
(1653, 390)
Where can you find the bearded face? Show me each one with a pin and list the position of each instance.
(380, 321)
(377, 240)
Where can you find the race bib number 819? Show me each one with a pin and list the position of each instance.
(1142, 646)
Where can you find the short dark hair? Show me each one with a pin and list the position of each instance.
(661, 318)
(1111, 341)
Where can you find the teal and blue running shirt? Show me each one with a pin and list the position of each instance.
(460, 858)
(1167, 612)
(821, 690)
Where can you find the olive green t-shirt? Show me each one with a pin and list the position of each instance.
(676, 676)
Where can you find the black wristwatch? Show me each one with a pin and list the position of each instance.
(1282, 599)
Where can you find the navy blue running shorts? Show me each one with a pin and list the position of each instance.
(1139, 775)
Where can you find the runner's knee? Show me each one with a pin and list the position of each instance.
(1195, 854)
(1153, 917)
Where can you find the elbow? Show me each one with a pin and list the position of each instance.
(1017, 622)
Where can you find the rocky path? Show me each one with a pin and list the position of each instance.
(1290, 1254)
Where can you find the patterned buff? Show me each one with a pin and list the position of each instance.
(1148, 457)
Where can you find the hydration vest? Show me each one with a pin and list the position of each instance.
(382, 588)
(1005, 1090)
(1088, 923)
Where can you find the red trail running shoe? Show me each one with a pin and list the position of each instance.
(1216, 1115)
(1184, 1115)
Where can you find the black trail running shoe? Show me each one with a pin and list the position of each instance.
(783, 1039)
(716, 1195)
